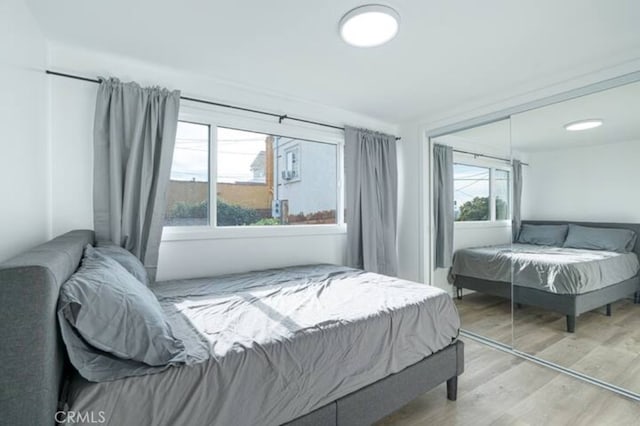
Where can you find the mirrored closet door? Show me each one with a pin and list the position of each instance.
(480, 165)
(575, 260)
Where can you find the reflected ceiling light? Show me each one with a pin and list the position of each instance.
(369, 26)
(591, 123)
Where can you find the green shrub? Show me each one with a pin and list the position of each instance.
(267, 221)
(228, 214)
(186, 210)
(234, 215)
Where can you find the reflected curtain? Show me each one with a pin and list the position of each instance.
(517, 198)
(371, 173)
(134, 136)
(443, 207)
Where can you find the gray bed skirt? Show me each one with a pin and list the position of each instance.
(570, 305)
(387, 395)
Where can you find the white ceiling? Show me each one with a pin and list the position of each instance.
(446, 55)
(542, 129)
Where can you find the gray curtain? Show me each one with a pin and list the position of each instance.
(443, 204)
(517, 198)
(134, 136)
(371, 172)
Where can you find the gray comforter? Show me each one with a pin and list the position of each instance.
(553, 269)
(270, 346)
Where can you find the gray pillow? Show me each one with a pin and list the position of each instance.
(610, 239)
(125, 258)
(105, 307)
(543, 235)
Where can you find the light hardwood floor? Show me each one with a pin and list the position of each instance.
(607, 348)
(501, 389)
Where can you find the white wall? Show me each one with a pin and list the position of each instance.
(23, 122)
(410, 202)
(199, 258)
(72, 107)
(73, 104)
(596, 183)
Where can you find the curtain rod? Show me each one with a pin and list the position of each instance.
(475, 154)
(280, 117)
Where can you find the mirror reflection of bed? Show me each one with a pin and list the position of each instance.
(587, 176)
(574, 262)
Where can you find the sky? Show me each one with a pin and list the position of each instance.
(471, 182)
(236, 151)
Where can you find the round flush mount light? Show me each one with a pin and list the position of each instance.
(591, 123)
(369, 26)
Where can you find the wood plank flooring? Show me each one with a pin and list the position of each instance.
(607, 348)
(501, 389)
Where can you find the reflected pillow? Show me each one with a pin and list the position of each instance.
(104, 307)
(125, 258)
(543, 235)
(609, 239)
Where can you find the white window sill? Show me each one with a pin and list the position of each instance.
(185, 233)
(483, 224)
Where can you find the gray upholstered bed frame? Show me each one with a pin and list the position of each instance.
(570, 305)
(33, 361)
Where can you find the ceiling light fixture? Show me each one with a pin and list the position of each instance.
(591, 123)
(369, 26)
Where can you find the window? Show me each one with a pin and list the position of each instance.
(480, 193)
(291, 166)
(188, 193)
(260, 179)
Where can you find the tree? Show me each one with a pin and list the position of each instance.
(478, 209)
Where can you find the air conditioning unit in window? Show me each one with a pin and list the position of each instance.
(288, 174)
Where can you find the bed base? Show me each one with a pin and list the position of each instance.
(373, 402)
(570, 305)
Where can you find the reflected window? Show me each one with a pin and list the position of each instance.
(481, 194)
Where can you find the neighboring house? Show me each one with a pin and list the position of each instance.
(258, 168)
(303, 172)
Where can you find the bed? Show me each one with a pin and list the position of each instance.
(311, 345)
(569, 281)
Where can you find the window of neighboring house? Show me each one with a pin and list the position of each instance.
(481, 194)
(258, 179)
(291, 170)
(188, 192)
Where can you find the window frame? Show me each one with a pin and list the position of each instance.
(492, 165)
(214, 118)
